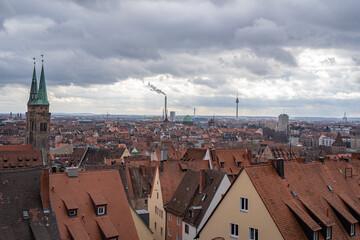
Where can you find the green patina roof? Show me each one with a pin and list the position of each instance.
(42, 94)
(33, 90)
(135, 150)
(187, 119)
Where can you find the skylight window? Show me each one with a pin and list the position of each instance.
(330, 188)
(294, 193)
(203, 197)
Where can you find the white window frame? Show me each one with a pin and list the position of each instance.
(328, 233)
(352, 229)
(177, 236)
(170, 217)
(234, 230)
(254, 230)
(178, 221)
(101, 210)
(244, 207)
(316, 235)
(72, 213)
(169, 232)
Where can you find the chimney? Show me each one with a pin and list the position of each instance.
(165, 107)
(279, 166)
(72, 172)
(163, 155)
(44, 189)
(202, 180)
(161, 168)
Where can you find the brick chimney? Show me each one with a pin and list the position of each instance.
(44, 189)
(279, 167)
(202, 179)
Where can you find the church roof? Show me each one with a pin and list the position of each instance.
(339, 141)
(188, 119)
(38, 96)
(33, 89)
(42, 94)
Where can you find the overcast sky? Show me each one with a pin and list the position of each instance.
(298, 57)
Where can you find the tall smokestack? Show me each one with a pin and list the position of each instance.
(237, 106)
(194, 112)
(165, 107)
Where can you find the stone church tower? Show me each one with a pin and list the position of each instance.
(38, 116)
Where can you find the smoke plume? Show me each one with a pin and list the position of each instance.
(155, 89)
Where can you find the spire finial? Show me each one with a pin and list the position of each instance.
(42, 58)
(34, 60)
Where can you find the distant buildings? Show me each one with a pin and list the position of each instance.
(283, 123)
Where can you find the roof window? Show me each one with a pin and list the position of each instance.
(294, 193)
(203, 197)
(330, 188)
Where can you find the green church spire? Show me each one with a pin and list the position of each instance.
(33, 89)
(42, 94)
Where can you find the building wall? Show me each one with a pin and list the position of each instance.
(191, 234)
(229, 212)
(223, 187)
(175, 229)
(142, 230)
(155, 202)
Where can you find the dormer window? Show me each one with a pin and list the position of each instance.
(316, 235)
(101, 210)
(328, 233)
(99, 203)
(352, 230)
(221, 165)
(72, 213)
(71, 206)
(238, 164)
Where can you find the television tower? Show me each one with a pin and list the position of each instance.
(237, 106)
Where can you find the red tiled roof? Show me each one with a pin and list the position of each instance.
(106, 182)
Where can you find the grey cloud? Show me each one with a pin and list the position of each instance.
(329, 61)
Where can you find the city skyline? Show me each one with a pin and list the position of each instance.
(296, 57)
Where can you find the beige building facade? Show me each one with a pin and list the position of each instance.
(241, 214)
(157, 214)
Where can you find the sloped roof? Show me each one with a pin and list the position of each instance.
(310, 182)
(19, 192)
(106, 182)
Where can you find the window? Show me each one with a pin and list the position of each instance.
(316, 235)
(155, 226)
(169, 232)
(177, 236)
(328, 233)
(72, 213)
(203, 197)
(178, 221)
(244, 204)
(238, 164)
(157, 195)
(156, 210)
(170, 217)
(253, 234)
(146, 201)
(161, 213)
(186, 229)
(161, 231)
(101, 210)
(221, 165)
(352, 230)
(234, 230)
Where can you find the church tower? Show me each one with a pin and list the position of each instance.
(38, 116)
